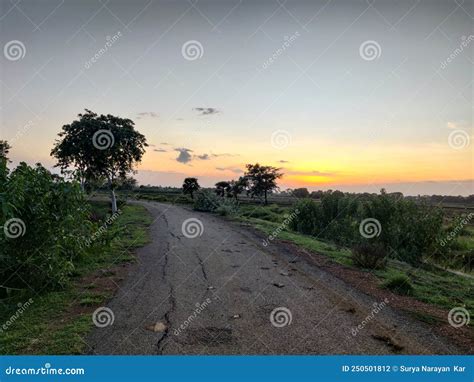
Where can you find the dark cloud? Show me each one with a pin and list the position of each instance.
(283, 161)
(150, 114)
(160, 150)
(203, 157)
(206, 110)
(232, 169)
(184, 155)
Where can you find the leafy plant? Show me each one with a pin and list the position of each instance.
(371, 256)
(399, 283)
(206, 201)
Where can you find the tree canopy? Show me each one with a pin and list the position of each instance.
(262, 180)
(99, 146)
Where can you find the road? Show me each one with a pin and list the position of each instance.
(215, 294)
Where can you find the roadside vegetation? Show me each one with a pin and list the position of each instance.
(60, 251)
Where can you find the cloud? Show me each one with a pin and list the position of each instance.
(283, 161)
(203, 157)
(232, 169)
(224, 155)
(164, 143)
(206, 110)
(184, 155)
(160, 150)
(150, 114)
(309, 173)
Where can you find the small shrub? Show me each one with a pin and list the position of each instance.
(206, 201)
(371, 256)
(227, 207)
(307, 217)
(399, 283)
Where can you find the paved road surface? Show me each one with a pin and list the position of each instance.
(214, 294)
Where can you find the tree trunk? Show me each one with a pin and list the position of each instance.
(113, 198)
(265, 197)
(114, 201)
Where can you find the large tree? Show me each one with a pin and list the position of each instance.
(97, 146)
(222, 188)
(262, 180)
(190, 186)
(236, 187)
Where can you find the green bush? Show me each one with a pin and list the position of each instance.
(371, 256)
(206, 201)
(409, 230)
(227, 206)
(45, 222)
(399, 283)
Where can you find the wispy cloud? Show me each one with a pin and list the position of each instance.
(206, 110)
(203, 157)
(283, 161)
(231, 169)
(309, 173)
(160, 150)
(150, 114)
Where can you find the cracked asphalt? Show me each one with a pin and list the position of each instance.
(215, 294)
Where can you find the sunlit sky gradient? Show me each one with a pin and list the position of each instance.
(345, 122)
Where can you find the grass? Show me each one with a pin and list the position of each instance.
(431, 285)
(56, 322)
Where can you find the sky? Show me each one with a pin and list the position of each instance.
(351, 95)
